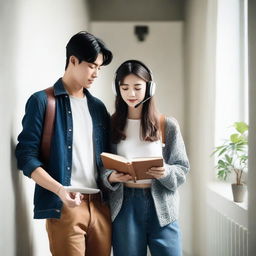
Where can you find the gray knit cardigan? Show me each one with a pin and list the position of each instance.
(164, 190)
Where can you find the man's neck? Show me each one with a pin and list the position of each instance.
(72, 88)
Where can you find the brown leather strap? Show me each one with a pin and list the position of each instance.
(48, 124)
(162, 127)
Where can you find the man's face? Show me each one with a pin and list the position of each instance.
(84, 73)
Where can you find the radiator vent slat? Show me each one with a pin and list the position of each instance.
(226, 238)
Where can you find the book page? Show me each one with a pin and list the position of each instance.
(116, 162)
(140, 159)
(115, 157)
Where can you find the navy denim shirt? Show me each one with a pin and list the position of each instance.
(47, 204)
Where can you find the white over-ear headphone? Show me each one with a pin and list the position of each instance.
(151, 85)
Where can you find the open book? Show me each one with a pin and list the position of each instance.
(137, 167)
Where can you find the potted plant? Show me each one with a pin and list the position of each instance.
(232, 156)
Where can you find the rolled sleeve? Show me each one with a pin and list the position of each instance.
(29, 140)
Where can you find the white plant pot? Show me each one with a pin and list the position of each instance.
(238, 192)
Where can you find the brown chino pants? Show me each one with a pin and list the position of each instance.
(83, 230)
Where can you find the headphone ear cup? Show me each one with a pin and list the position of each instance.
(151, 88)
(114, 88)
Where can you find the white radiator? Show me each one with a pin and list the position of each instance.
(227, 227)
(226, 237)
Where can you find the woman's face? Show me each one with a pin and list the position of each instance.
(133, 89)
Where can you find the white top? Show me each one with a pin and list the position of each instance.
(83, 163)
(133, 146)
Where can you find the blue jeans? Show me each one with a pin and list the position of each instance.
(136, 227)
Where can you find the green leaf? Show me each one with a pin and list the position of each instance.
(228, 158)
(241, 127)
(221, 175)
(233, 153)
(243, 142)
(222, 151)
(221, 162)
(235, 138)
(244, 157)
(216, 150)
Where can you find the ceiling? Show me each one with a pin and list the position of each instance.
(136, 10)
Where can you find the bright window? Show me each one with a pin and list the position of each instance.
(231, 67)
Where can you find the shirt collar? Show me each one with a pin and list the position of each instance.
(59, 89)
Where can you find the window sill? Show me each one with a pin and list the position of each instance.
(223, 189)
(220, 197)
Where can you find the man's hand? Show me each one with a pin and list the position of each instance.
(70, 199)
(156, 172)
(42, 178)
(119, 177)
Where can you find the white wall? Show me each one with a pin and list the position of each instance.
(33, 39)
(162, 51)
(199, 78)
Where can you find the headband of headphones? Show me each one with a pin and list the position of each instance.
(151, 86)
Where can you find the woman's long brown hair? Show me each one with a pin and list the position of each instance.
(149, 115)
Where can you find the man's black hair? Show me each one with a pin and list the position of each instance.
(87, 47)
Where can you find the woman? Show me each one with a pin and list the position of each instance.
(144, 213)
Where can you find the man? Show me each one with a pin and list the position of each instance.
(77, 224)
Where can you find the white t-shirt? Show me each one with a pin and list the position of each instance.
(133, 146)
(84, 172)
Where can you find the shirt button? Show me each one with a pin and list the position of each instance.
(69, 147)
(66, 96)
(69, 112)
(70, 130)
(68, 168)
